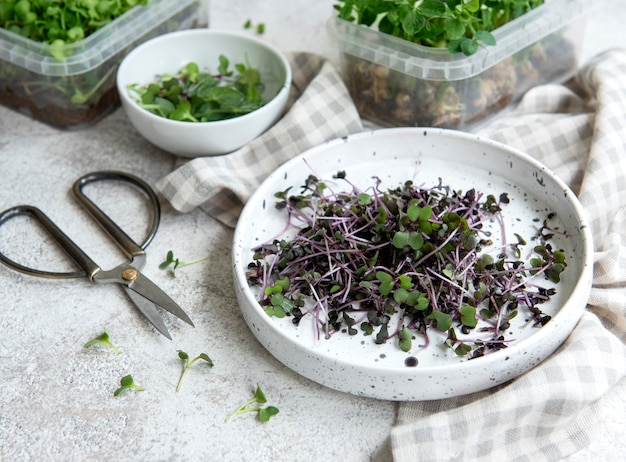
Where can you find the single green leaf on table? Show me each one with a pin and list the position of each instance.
(268, 412)
(127, 383)
(102, 339)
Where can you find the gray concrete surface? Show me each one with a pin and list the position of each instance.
(57, 398)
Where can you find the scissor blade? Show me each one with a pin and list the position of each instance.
(149, 310)
(148, 289)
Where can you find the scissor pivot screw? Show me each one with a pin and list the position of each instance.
(129, 274)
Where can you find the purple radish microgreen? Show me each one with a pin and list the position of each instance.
(421, 256)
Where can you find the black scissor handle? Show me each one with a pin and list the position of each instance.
(132, 250)
(82, 259)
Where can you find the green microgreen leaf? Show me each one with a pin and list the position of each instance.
(400, 239)
(417, 300)
(405, 282)
(268, 412)
(416, 241)
(173, 263)
(194, 95)
(383, 333)
(405, 339)
(60, 22)
(259, 28)
(443, 321)
(264, 413)
(364, 199)
(462, 349)
(483, 262)
(400, 295)
(386, 282)
(468, 316)
(127, 383)
(485, 37)
(382, 276)
(103, 339)
(187, 363)
(455, 28)
(183, 112)
(459, 26)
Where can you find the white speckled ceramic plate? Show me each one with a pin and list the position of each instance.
(355, 364)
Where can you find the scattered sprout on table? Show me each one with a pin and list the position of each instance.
(259, 28)
(264, 413)
(127, 383)
(173, 263)
(187, 363)
(103, 339)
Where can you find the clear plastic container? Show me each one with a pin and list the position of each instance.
(394, 82)
(73, 86)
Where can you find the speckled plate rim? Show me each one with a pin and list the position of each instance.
(419, 383)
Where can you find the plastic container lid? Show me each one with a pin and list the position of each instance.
(91, 52)
(438, 64)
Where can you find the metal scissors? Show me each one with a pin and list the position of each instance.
(145, 294)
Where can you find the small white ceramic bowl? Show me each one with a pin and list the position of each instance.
(168, 54)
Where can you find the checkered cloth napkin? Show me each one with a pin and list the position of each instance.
(580, 133)
(320, 110)
(550, 412)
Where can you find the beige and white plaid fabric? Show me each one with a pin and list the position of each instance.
(579, 131)
(321, 110)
